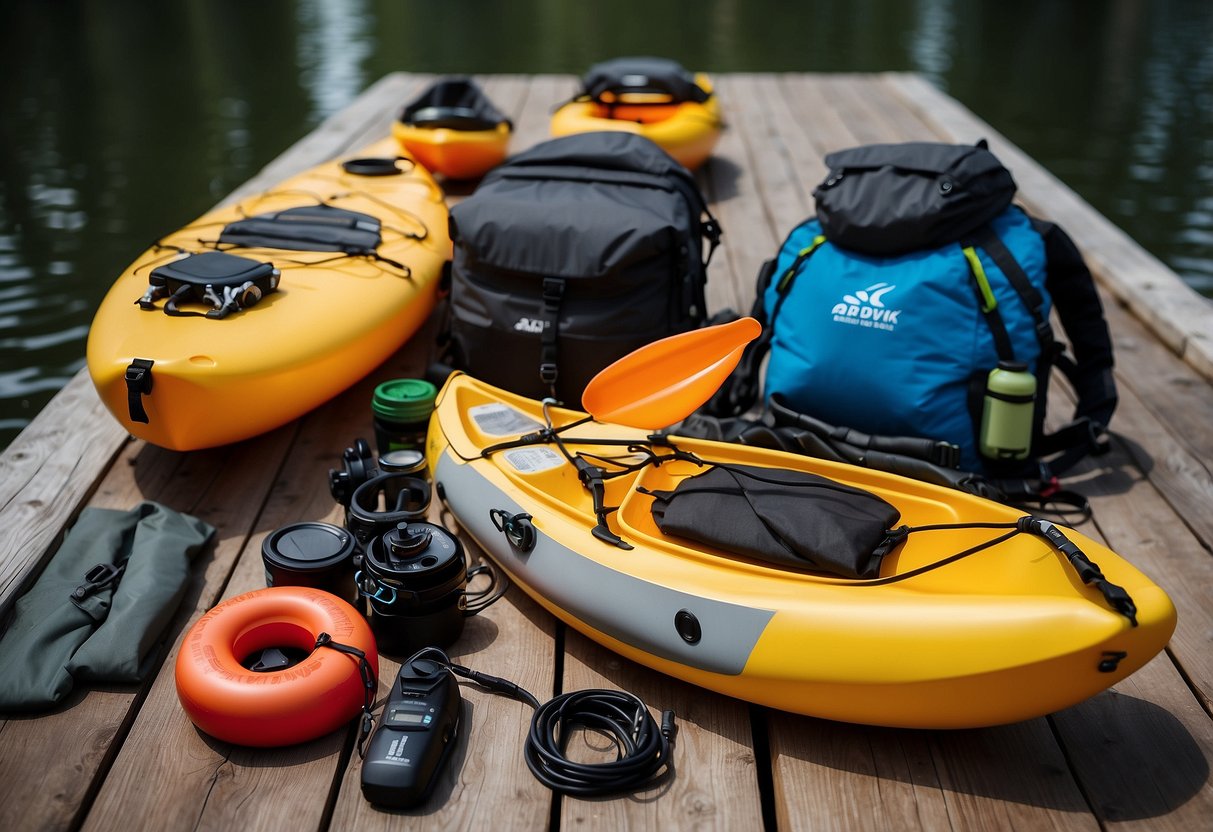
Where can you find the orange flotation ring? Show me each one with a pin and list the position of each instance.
(282, 707)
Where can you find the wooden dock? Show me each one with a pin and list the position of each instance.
(1136, 757)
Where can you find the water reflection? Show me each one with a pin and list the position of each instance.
(334, 42)
(126, 120)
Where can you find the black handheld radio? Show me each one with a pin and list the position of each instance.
(416, 733)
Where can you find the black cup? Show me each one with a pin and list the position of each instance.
(318, 555)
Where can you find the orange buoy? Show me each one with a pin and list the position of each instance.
(264, 708)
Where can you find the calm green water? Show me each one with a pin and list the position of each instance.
(121, 120)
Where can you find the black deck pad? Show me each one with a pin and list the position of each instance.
(307, 228)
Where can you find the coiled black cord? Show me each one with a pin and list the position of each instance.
(643, 748)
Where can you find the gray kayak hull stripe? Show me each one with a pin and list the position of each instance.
(631, 610)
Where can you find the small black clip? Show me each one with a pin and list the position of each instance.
(99, 577)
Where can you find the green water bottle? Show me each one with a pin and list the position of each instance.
(401, 410)
(1006, 418)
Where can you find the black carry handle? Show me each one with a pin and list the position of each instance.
(677, 90)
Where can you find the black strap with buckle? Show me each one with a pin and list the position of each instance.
(553, 294)
(138, 384)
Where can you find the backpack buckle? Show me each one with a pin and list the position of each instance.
(97, 578)
(547, 373)
(1097, 436)
(946, 455)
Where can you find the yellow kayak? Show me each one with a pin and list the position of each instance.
(961, 627)
(652, 97)
(258, 312)
(453, 129)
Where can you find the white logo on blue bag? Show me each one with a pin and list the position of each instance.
(866, 308)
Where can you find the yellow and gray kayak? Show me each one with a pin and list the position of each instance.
(984, 621)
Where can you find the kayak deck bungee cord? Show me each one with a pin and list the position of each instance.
(978, 614)
(260, 311)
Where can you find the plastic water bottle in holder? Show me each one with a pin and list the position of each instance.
(1006, 419)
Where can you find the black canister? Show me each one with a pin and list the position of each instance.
(412, 579)
(313, 554)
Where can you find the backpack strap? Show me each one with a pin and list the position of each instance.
(988, 305)
(1078, 306)
(1073, 291)
(740, 390)
(553, 294)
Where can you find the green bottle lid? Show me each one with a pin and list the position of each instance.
(404, 400)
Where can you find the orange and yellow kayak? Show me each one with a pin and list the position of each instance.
(453, 129)
(652, 97)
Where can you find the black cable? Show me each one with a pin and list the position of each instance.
(643, 748)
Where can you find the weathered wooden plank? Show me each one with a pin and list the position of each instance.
(822, 126)
(1137, 522)
(1170, 309)
(1143, 752)
(889, 117)
(45, 475)
(1164, 415)
(533, 124)
(715, 783)
(862, 121)
(777, 180)
(834, 776)
(730, 187)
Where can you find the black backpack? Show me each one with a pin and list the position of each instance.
(569, 256)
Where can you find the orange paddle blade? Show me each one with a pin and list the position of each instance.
(665, 381)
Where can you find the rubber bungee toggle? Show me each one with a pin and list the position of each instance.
(293, 704)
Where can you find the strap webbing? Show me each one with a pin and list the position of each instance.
(138, 384)
(989, 305)
(553, 294)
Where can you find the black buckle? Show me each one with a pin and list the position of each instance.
(1097, 436)
(139, 375)
(138, 384)
(946, 455)
(99, 577)
(553, 289)
(547, 373)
